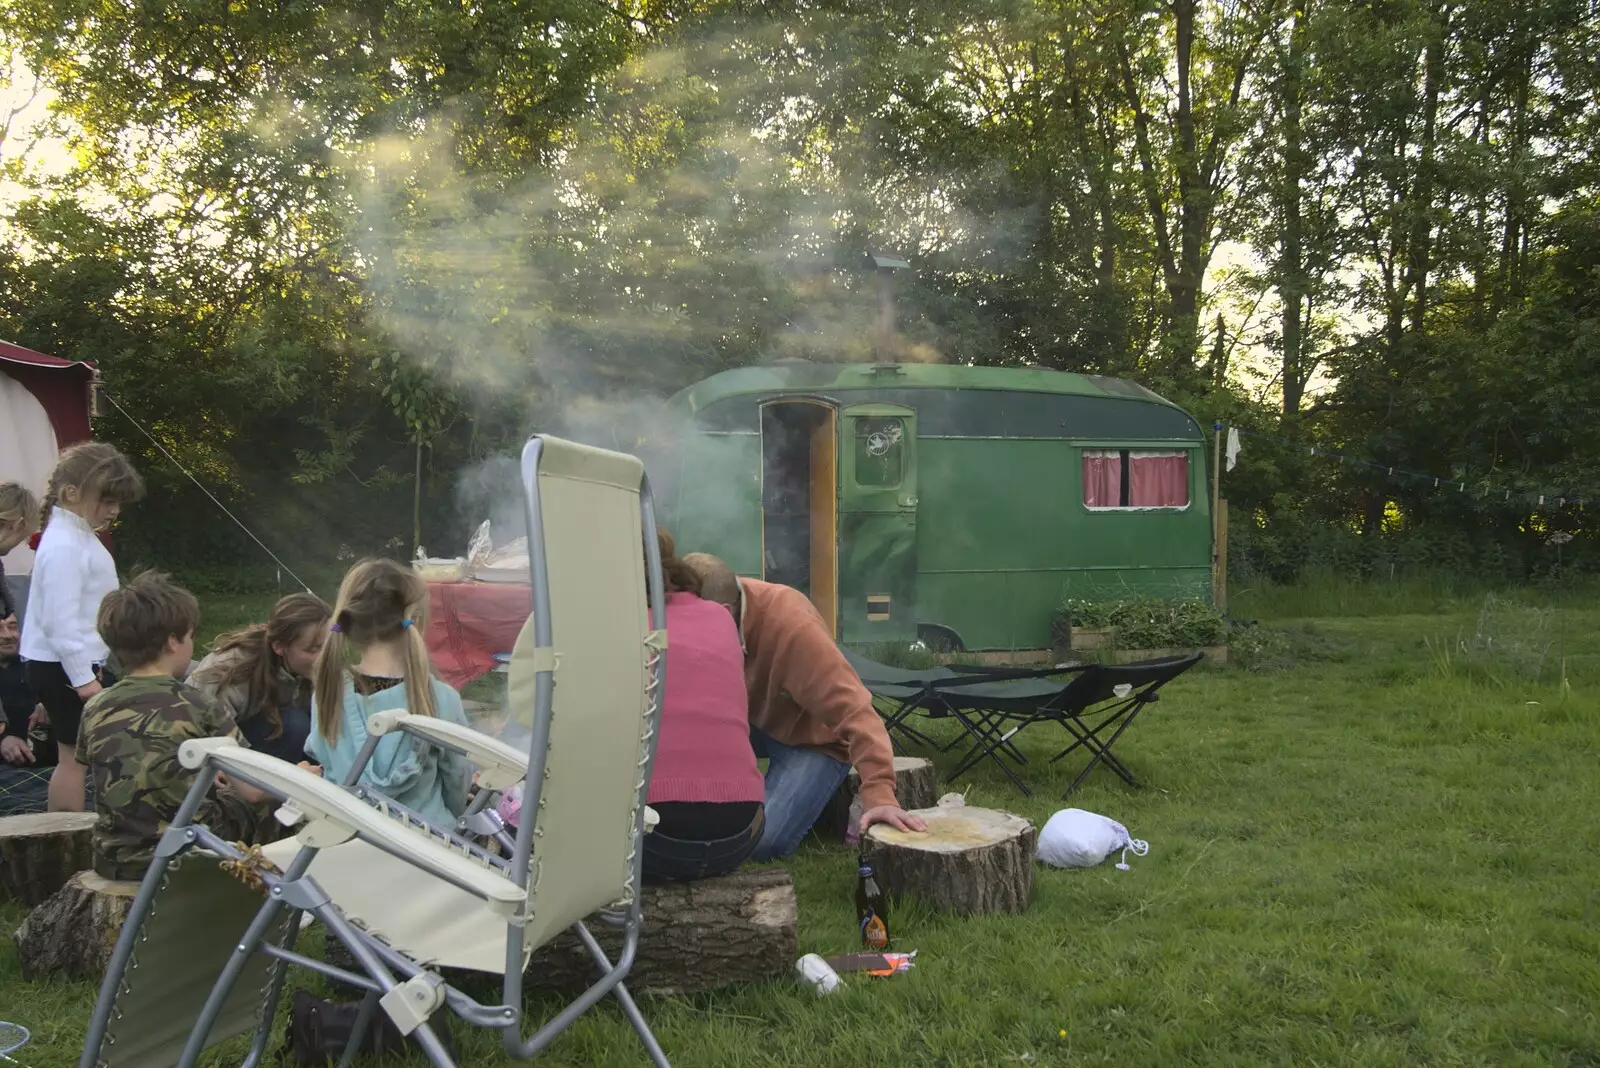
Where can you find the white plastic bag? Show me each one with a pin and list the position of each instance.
(1074, 838)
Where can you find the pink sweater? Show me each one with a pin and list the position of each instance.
(704, 751)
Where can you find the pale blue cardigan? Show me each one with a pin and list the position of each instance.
(430, 781)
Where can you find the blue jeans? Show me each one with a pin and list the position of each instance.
(800, 782)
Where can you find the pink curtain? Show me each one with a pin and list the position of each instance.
(1102, 479)
(1158, 479)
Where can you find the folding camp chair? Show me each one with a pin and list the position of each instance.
(925, 691)
(904, 690)
(1100, 698)
(406, 899)
(911, 691)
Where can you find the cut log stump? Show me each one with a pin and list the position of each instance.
(739, 928)
(73, 933)
(915, 785)
(39, 853)
(969, 861)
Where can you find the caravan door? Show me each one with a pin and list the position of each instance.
(799, 478)
(877, 523)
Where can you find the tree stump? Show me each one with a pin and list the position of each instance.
(73, 933)
(39, 853)
(915, 785)
(969, 861)
(738, 928)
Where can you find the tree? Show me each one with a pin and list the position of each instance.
(1185, 134)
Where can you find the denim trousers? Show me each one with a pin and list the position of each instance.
(800, 782)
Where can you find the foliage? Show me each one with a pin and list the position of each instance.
(316, 247)
(1291, 546)
(1149, 622)
(901, 655)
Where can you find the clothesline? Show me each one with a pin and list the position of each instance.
(1482, 490)
(282, 567)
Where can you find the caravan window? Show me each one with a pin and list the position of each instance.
(880, 451)
(1135, 478)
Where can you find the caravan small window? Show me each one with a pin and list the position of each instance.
(1134, 478)
(880, 451)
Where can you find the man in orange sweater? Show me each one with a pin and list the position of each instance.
(810, 716)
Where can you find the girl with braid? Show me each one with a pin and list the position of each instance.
(72, 573)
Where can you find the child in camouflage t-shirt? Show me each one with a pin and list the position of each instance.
(130, 733)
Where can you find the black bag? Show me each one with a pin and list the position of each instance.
(320, 1030)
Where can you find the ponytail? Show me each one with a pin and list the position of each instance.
(419, 676)
(680, 577)
(328, 680)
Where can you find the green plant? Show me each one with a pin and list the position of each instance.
(902, 655)
(1149, 622)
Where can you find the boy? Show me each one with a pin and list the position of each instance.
(131, 732)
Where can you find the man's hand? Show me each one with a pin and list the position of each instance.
(14, 750)
(40, 717)
(894, 816)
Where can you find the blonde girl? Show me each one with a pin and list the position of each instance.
(72, 573)
(378, 622)
(19, 517)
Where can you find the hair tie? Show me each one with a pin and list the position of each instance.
(405, 624)
(334, 627)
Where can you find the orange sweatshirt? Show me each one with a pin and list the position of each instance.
(803, 691)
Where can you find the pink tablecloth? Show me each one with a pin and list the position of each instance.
(469, 622)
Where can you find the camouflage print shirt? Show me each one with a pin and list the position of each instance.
(129, 740)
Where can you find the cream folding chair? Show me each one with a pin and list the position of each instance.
(408, 900)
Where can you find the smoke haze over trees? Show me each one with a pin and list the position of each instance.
(327, 250)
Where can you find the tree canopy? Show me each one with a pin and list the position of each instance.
(338, 249)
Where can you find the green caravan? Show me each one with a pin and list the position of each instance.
(953, 504)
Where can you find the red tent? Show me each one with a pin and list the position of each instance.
(45, 404)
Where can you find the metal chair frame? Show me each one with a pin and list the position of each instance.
(383, 968)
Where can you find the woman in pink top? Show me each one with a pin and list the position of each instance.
(704, 784)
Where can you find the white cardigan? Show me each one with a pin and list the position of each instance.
(72, 573)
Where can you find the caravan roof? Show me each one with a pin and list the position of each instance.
(961, 400)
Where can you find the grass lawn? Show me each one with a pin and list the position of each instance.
(1375, 850)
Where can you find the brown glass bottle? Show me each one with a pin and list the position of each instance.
(872, 908)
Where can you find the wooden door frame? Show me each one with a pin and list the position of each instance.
(823, 485)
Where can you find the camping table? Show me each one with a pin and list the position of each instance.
(469, 622)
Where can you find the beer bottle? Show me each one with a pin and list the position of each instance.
(872, 908)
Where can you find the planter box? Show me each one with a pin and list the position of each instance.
(1070, 640)
(1217, 654)
(1090, 639)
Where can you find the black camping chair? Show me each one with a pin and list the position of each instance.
(912, 691)
(1100, 698)
(964, 693)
